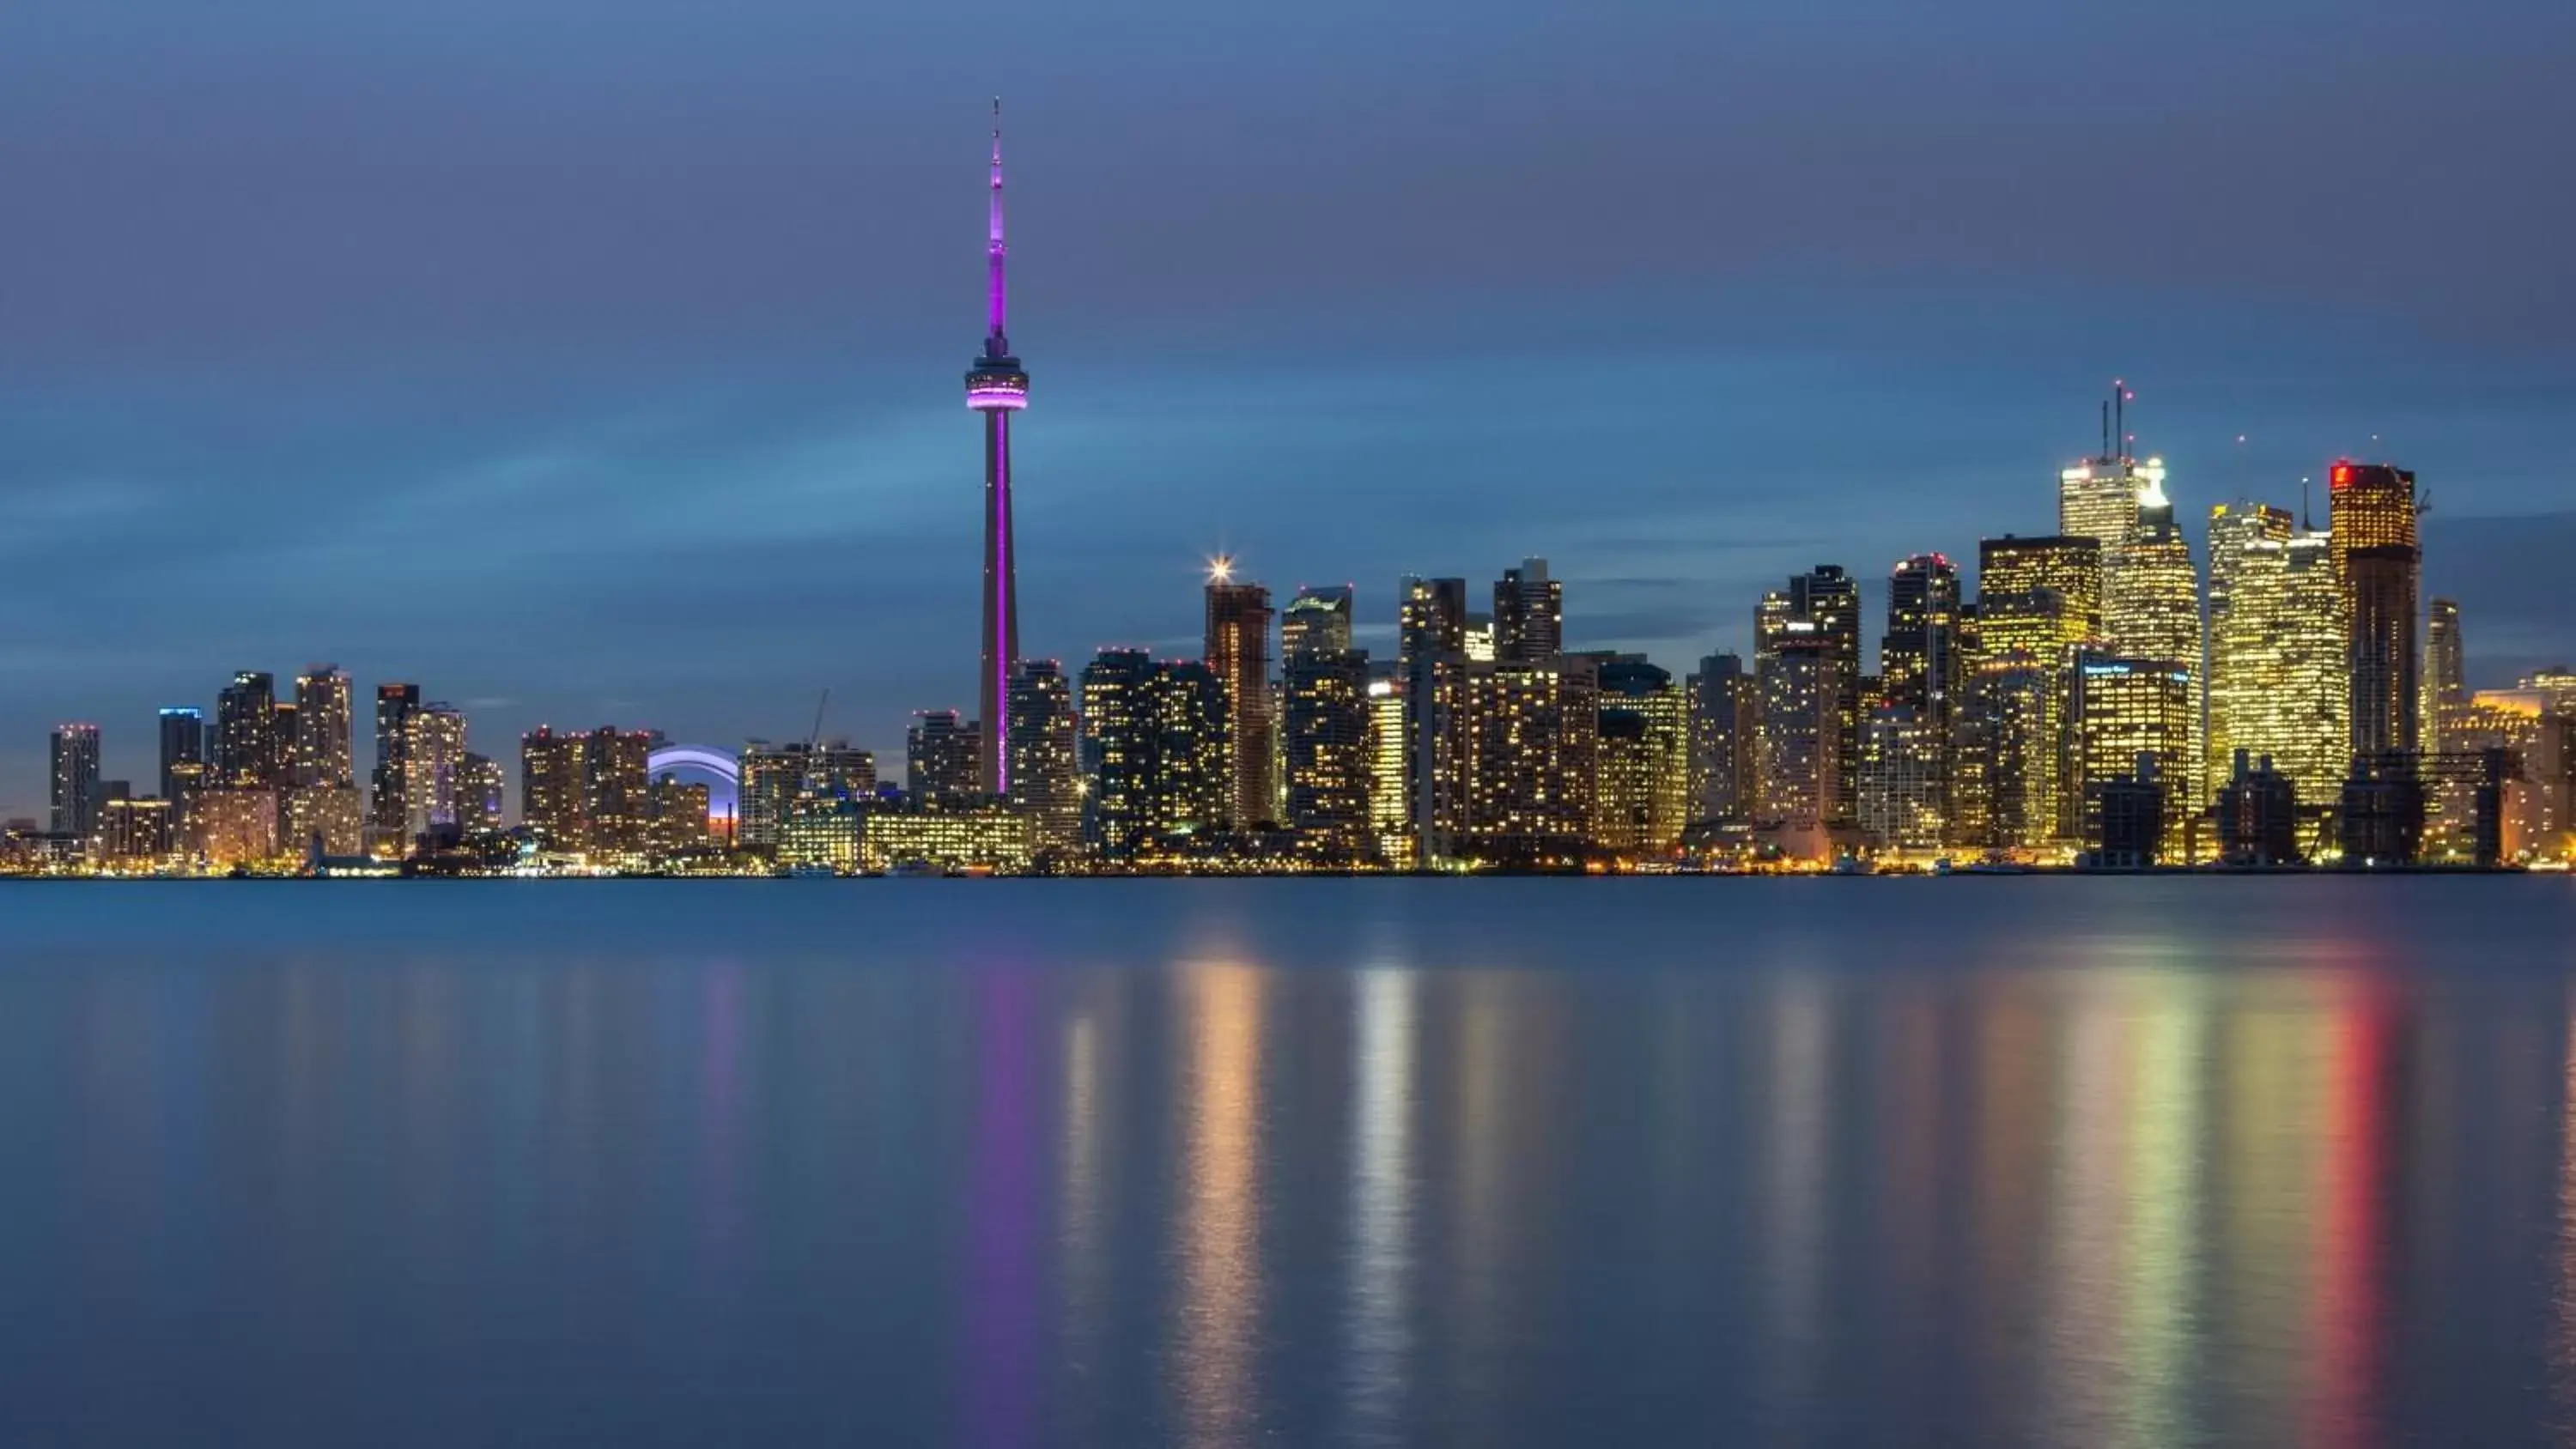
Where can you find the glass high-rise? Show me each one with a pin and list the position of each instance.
(1238, 653)
(77, 795)
(1045, 774)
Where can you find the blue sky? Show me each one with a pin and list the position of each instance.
(596, 363)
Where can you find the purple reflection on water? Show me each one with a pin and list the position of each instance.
(1002, 1271)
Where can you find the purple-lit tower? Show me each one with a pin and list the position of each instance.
(997, 387)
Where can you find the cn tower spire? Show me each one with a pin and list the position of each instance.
(997, 342)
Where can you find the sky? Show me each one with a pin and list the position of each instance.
(598, 361)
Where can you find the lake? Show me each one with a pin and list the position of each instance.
(2084, 1161)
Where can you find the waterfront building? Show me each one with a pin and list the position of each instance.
(432, 755)
(479, 806)
(2378, 558)
(233, 825)
(250, 749)
(1045, 773)
(135, 833)
(1801, 761)
(2280, 664)
(1238, 653)
(1921, 671)
(2012, 746)
(183, 742)
(389, 813)
(2258, 816)
(1531, 734)
(2128, 711)
(77, 794)
(1155, 751)
(1821, 608)
(617, 786)
(2236, 532)
(983, 837)
(1902, 778)
(2151, 610)
(2127, 817)
(336, 815)
(554, 788)
(943, 760)
(1724, 717)
(324, 751)
(681, 812)
(2445, 682)
(1388, 804)
(1326, 726)
(1431, 665)
(1643, 796)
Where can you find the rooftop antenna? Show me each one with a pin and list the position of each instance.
(2106, 429)
(2120, 417)
(2307, 519)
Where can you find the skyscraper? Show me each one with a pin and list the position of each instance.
(248, 747)
(2378, 558)
(2126, 710)
(1529, 755)
(183, 742)
(1325, 724)
(1431, 666)
(942, 760)
(1822, 608)
(433, 753)
(617, 790)
(478, 794)
(1921, 674)
(1154, 749)
(2098, 498)
(1529, 614)
(997, 387)
(389, 815)
(1724, 718)
(324, 751)
(2234, 528)
(1643, 798)
(2446, 686)
(2151, 612)
(2280, 683)
(1045, 755)
(1802, 761)
(554, 788)
(1238, 653)
(77, 794)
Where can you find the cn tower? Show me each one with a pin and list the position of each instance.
(997, 387)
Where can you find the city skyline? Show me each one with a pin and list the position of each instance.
(626, 470)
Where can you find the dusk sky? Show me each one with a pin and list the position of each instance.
(597, 361)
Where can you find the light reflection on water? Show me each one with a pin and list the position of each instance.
(2127, 1162)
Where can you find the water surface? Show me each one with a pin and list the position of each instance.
(1538, 1162)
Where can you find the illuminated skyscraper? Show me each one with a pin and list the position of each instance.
(1386, 753)
(1045, 771)
(617, 790)
(1431, 664)
(389, 817)
(1724, 718)
(432, 756)
(325, 753)
(2446, 685)
(1643, 797)
(478, 795)
(2378, 558)
(554, 787)
(1529, 614)
(942, 759)
(1154, 749)
(997, 387)
(1822, 607)
(1238, 653)
(332, 817)
(2279, 681)
(2036, 607)
(1325, 724)
(2234, 529)
(1901, 778)
(249, 749)
(2125, 710)
(1801, 764)
(2151, 611)
(1921, 672)
(2098, 498)
(77, 794)
(183, 742)
(1531, 732)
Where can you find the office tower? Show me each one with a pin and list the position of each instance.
(1643, 796)
(775, 780)
(680, 817)
(617, 784)
(248, 749)
(1902, 778)
(2279, 667)
(1801, 760)
(1920, 672)
(1431, 664)
(2151, 611)
(1387, 803)
(1045, 773)
(77, 795)
(1530, 749)
(324, 752)
(554, 787)
(1529, 614)
(183, 742)
(1325, 719)
(2234, 530)
(432, 754)
(1479, 645)
(1316, 622)
(1723, 719)
(2097, 498)
(2128, 827)
(2069, 567)
(1821, 607)
(1238, 653)
(2258, 815)
(1154, 748)
(2125, 711)
(389, 816)
(1970, 807)
(2037, 605)
(2445, 673)
(2377, 556)
(478, 794)
(996, 387)
(2013, 732)
(942, 757)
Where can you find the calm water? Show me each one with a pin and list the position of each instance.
(2086, 1162)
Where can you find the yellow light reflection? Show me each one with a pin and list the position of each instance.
(1220, 1219)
